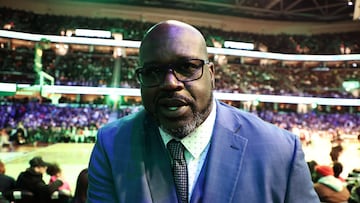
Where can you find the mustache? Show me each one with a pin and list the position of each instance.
(167, 95)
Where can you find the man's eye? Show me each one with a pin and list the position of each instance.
(148, 71)
(192, 65)
(187, 67)
(151, 70)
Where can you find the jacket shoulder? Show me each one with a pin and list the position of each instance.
(250, 124)
(122, 124)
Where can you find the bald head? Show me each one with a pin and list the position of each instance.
(179, 100)
(172, 39)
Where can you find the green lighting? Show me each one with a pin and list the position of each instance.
(114, 97)
(350, 85)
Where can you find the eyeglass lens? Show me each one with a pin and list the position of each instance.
(184, 71)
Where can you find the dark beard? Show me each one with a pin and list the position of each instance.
(199, 118)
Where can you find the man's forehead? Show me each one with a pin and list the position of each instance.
(169, 41)
(171, 35)
(169, 51)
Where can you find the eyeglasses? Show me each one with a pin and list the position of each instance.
(152, 75)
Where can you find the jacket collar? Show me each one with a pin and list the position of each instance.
(226, 153)
(225, 156)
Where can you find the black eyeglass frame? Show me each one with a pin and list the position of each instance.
(170, 67)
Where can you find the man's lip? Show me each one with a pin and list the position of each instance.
(172, 102)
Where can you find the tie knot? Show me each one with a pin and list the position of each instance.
(176, 149)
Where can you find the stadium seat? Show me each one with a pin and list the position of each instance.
(19, 196)
(23, 196)
(60, 197)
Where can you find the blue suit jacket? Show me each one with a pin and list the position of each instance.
(249, 161)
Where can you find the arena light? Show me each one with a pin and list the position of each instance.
(314, 105)
(58, 89)
(219, 95)
(90, 90)
(114, 97)
(211, 50)
(7, 87)
(284, 57)
(287, 99)
(61, 49)
(92, 33)
(69, 40)
(239, 45)
(351, 85)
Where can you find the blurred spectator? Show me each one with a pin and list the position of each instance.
(80, 195)
(20, 134)
(312, 164)
(336, 152)
(355, 194)
(32, 180)
(7, 183)
(338, 168)
(5, 140)
(55, 173)
(329, 188)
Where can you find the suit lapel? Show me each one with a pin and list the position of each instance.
(157, 165)
(225, 157)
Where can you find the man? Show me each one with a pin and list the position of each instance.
(329, 188)
(7, 183)
(231, 156)
(32, 180)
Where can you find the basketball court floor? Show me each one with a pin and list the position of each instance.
(73, 157)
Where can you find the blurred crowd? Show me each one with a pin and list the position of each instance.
(300, 81)
(30, 22)
(333, 126)
(97, 70)
(94, 67)
(35, 122)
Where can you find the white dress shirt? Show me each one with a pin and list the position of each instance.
(197, 145)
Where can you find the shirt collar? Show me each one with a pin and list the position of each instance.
(196, 141)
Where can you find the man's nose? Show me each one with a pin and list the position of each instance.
(170, 80)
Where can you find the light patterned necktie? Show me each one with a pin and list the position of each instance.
(179, 169)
